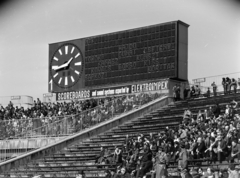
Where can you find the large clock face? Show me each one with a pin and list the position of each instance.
(66, 66)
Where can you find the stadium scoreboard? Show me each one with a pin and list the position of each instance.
(141, 54)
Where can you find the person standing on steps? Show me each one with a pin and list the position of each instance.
(174, 90)
(224, 86)
(214, 89)
(161, 161)
(182, 161)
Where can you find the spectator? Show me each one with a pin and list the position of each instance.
(161, 160)
(200, 172)
(110, 174)
(174, 93)
(117, 156)
(197, 91)
(234, 85)
(81, 174)
(220, 146)
(100, 156)
(186, 92)
(183, 161)
(208, 93)
(187, 115)
(239, 82)
(214, 89)
(228, 85)
(123, 174)
(192, 92)
(211, 151)
(235, 150)
(178, 93)
(232, 172)
(146, 162)
(200, 148)
(224, 85)
(209, 173)
(217, 111)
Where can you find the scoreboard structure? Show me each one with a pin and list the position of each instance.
(132, 56)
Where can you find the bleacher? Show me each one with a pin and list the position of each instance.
(81, 157)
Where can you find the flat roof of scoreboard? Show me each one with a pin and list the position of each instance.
(108, 33)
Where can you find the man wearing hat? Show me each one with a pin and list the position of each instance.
(182, 162)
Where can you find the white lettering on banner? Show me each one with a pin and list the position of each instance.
(154, 86)
(100, 93)
(73, 95)
(113, 91)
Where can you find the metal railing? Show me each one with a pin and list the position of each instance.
(64, 126)
(207, 81)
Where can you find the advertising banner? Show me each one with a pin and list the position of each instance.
(111, 91)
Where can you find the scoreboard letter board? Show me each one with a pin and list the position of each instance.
(132, 55)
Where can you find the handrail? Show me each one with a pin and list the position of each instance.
(72, 124)
(218, 75)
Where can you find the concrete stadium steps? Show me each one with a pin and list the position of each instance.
(81, 156)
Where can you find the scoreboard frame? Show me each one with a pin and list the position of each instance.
(141, 54)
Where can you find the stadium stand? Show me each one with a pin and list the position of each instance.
(209, 137)
(46, 118)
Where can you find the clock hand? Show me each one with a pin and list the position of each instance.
(69, 61)
(63, 65)
(60, 67)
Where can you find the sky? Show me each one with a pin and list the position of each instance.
(28, 26)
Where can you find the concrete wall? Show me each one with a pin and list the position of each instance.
(77, 138)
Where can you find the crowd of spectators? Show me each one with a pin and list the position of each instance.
(212, 136)
(229, 87)
(65, 118)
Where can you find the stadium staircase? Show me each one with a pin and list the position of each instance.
(81, 157)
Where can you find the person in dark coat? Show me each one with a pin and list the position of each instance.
(224, 86)
(146, 162)
(100, 155)
(200, 148)
(217, 111)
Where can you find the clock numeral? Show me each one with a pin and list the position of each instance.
(72, 49)
(60, 80)
(72, 79)
(77, 72)
(60, 51)
(77, 55)
(55, 75)
(66, 81)
(78, 63)
(66, 49)
(51, 85)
